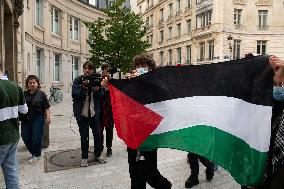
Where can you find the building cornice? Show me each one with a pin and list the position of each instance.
(58, 49)
(263, 3)
(240, 2)
(82, 7)
(153, 7)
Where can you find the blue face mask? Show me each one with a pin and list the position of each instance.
(278, 93)
(142, 70)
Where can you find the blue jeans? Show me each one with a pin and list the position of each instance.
(31, 134)
(94, 123)
(9, 164)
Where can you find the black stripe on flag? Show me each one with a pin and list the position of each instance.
(248, 79)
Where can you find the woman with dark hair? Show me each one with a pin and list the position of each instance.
(33, 122)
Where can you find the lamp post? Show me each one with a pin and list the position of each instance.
(230, 38)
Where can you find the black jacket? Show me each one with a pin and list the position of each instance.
(79, 96)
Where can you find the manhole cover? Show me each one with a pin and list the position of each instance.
(66, 159)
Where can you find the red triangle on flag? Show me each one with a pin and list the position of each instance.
(133, 121)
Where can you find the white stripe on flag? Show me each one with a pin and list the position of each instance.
(249, 122)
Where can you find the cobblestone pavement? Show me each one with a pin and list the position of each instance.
(112, 175)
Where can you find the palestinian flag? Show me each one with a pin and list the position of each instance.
(219, 111)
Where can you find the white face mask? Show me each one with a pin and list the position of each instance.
(142, 70)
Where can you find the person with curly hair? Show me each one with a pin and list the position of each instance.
(143, 164)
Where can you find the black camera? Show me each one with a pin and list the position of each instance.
(92, 80)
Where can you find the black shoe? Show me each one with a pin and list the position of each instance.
(191, 181)
(209, 173)
(109, 152)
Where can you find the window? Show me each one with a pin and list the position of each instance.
(188, 54)
(74, 28)
(56, 67)
(203, 19)
(237, 49)
(161, 14)
(178, 30)
(110, 3)
(188, 26)
(151, 20)
(161, 58)
(161, 36)
(262, 19)
(140, 9)
(237, 17)
(55, 20)
(178, 55)
(189, 4)
(261, 47)
(147, 21)
(170, 32)
(39, 64)
(178, 6)
(93, 2)
(211, 50)
(170, 10)
(170, 57)
(148, 4)
(151, 39)
(39, 12)
(202, 51)
(75, 67)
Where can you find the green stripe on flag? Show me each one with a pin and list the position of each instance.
(244, 163)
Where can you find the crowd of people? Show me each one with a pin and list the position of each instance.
(92, 109)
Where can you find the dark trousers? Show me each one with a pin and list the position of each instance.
(194, 165)
(146, 171)
(31, 134)
(94, 123)
(109, 137)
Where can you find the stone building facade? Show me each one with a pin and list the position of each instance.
(205, 31)
(54, 40)
(10, 10)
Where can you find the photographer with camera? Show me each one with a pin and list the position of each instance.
(86, 94)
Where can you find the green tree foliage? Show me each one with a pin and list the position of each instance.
(118, 38)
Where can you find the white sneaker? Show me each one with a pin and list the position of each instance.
(34, 159)
(84, 163)
(100, 159)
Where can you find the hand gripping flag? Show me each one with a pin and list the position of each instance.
(219, 111)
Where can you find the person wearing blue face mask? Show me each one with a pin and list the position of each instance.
(142, 70)
(143, 164)
(278, 93)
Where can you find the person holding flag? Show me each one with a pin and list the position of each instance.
(143, 164)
